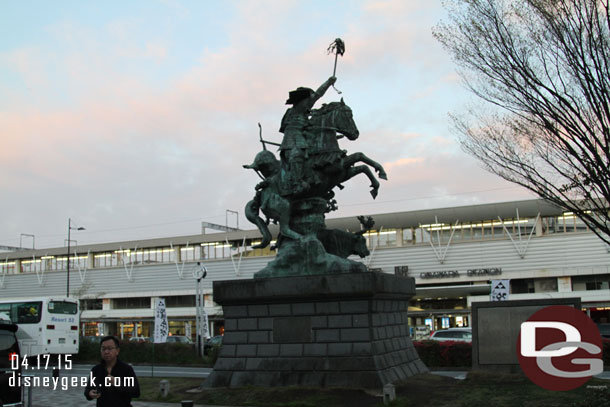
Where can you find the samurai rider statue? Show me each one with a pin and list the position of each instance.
(293, 150)
(297, 189)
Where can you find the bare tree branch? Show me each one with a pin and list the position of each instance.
(542, 68)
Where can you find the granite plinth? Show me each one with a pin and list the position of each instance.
(320, 330)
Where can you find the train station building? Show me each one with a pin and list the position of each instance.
(454, 254)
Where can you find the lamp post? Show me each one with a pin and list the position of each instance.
(68, 263)
(201, 317)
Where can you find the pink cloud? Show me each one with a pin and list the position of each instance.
(403, 162)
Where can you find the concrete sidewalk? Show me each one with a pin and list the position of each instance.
(74, 396)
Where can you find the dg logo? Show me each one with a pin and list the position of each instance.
(560, 348)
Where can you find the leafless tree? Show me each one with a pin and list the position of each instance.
(541, 69)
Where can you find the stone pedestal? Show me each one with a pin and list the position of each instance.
(348, 330)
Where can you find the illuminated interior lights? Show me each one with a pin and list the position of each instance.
(570, 215)
(385, 232)
(433, 227)
(215, 244)
(47, 257)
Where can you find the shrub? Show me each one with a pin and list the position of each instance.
(142, 352)
(444, 354)
(213, 354)
(88, 350)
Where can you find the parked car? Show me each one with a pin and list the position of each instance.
(453, 334)
(210, 343)
(179, 339)
(140, 339)
(9, 348)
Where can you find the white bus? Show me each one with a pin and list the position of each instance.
(46, 325)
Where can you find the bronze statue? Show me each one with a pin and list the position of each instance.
(268, 199)
(297, 191)
(293, 151)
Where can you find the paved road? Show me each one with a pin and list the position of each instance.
(142, 371)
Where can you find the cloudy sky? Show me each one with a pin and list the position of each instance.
(134, 118)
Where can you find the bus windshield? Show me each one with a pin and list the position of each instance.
(62, 307)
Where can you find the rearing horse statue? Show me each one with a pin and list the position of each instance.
(330, 164)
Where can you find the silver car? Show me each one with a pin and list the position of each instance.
(453, 334)
(179, 339)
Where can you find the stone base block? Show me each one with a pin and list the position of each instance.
(323, 330)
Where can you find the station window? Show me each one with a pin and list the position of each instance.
(533, 285)
(215, 250)
(522, 286)
(188, 254)
(134, 302)
(266, 251)
(381, 238)
(91, 304)
(407, 235)
(30, 266)
(7, 267)
(591, 282)
(174, 301)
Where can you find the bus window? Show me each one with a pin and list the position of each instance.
(5, 309)
(27, 312)
(62, 307)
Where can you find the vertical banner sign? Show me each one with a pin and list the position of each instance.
(161, 325)
(188, 330)
(499, 290)
(205, 330)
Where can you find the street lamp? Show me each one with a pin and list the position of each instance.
(201, 319)
(70, 227)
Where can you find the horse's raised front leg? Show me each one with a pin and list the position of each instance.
(361, 157)
(363, 169)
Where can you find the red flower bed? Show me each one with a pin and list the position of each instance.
(445, 353)
(459, 354)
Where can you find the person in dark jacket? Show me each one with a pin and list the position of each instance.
(112, 383)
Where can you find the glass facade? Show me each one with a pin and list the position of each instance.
(424, 234)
